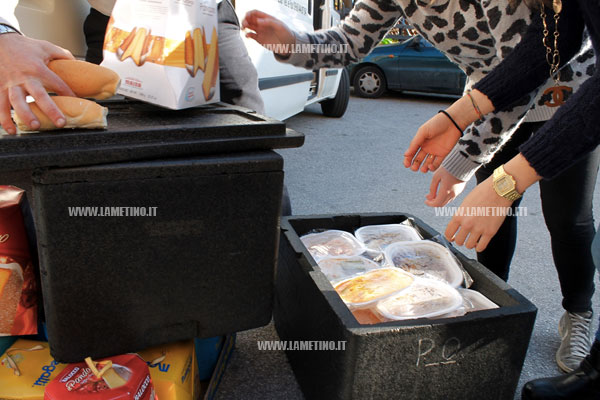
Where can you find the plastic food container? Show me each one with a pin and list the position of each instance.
(378, 237)
(425, 259)
(475, 301)
(332, 243)
(425, 298)
(364, 290)
(344, 267)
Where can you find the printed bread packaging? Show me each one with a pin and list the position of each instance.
(25, 370)
(165, 53)
(174, 370)
(18, 299)
(123, 377)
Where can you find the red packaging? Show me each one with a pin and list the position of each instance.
(18, 300)
(79, 381)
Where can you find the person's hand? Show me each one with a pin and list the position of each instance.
(444, 188)
(478, 218)
(268, 30)
(433, 141)
(24, 71)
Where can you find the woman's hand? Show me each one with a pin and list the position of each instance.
(24, 71)
(433, 141)
(479, 217)
(268, 30)
(444, 188)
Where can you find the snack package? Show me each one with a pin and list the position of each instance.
(25, 370)
(173, 370)
(166, 52)
(120, 377)
(18, 299)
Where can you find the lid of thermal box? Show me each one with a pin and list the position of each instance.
(140, 131)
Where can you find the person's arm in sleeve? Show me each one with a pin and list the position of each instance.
(357, 35)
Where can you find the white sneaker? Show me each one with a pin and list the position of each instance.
(574, 331)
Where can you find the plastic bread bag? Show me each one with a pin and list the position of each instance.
(363, 291)
(165, 52)
(120, 377)
(331, 242)
(425, 298)
(25, 369)
(343, 267)
(18, 265)
(425, 259)
(378, 237)
(173, 370)
(468, 281)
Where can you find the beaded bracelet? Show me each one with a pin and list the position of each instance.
(475, 106)
(453, 121)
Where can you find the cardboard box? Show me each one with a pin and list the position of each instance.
(478, 355)
(166, 53)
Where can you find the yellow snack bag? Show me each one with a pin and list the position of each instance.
(173, 370)
(25, 370)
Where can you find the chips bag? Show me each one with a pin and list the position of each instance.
(18, 299)
(173, 370)
(121, 377)
(25, 370)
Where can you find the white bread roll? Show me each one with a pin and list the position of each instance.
(79, 113)
(87, 79)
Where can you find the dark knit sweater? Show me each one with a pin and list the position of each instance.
(575, 128)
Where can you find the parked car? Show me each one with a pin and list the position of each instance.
(410, 65)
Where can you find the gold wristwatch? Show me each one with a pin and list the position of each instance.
(505, 185)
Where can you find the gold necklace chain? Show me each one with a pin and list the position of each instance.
(552, 56)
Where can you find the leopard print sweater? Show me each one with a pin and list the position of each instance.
(475, 34)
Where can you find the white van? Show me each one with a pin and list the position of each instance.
(286, 89)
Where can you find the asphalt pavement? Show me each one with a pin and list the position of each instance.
(354, 165)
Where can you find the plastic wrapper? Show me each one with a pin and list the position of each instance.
(120, 377)
(18, 292)
(344, 267)
(173, 370)
(368, 316)
(425, 259)
(364, 290)
(425, 298)
(378, 237)
(475, 301)
(25, 370)
(332, 243)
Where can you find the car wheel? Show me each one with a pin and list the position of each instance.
(369, 82)
(336, 107)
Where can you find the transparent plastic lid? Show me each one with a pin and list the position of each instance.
(425, 259)
(363, 290)
(344, 267)
(332, 243)
(425, 298)
(475, 301)
(377, 237)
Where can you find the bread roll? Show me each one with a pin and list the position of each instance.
(79, 113)
(86, 79)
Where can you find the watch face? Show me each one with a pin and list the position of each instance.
(504, 184)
